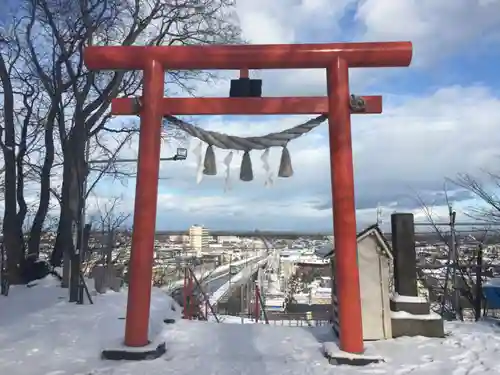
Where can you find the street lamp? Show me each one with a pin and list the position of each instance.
(181, 154)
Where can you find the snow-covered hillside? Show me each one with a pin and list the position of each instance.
(40, 334)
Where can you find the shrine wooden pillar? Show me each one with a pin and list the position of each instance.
(344, 210)
(146, 194)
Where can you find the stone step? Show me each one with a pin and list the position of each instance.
(415, 308)
(404, 324)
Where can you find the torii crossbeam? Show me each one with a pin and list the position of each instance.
(336, 58)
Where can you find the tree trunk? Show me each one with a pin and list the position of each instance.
(63, 244)
(63, 238)
(21, 202)
(73, 167)
(74, 173)
(12, 232)
(44, 202)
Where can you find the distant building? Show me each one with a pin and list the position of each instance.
(228, 239)
(176, 238)
(179, 239)
(198, 238)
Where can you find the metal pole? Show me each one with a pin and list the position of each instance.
(83, 214)
(242, 299)
(75, 285)
(74, 269)
(478, 303)
(248, 297)
(454, 255)
(230, 276)
(109, 161)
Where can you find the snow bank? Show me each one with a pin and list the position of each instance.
(407, 315)
(408, 299)
(469, 348)
(40, 332)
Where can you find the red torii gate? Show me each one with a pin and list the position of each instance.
(336, 58)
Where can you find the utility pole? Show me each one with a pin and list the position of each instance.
(379, 215)
(242, 299)
(454, 257)
(76, 278)
(230, 272)
(78, 226)
(479, 283)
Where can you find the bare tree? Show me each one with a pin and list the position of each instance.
(30, 132)
(487, 193)
(30, 119)
(111, 244)
(110, 221)
(458, 283)
(82, 97)
(2, 182)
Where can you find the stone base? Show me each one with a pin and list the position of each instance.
(148, 352)
(415, 308)
(338, 357)
(411, 326)
(352, 361)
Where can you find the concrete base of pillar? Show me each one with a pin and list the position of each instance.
(338, 357)
(151, 351)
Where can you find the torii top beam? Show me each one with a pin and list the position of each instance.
(248, 56)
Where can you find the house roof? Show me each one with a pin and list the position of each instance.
(372, 230)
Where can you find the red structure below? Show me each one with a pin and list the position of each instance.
(336, 58)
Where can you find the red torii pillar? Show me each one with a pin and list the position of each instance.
(336, 58)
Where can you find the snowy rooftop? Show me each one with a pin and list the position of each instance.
(40, 334)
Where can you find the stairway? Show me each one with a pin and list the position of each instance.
(412, 316)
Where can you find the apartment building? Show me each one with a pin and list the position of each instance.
(198, 239)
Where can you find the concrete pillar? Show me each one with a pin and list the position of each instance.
(242, 298)
(405, 259)
(249, 296)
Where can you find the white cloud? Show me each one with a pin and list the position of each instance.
(436, 28)
(413, 146)
(283, 21)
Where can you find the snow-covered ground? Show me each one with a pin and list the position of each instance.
(40, 334)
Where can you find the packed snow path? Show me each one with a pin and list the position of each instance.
(228, 349)
(40, 334)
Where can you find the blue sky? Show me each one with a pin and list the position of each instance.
(440, 117)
